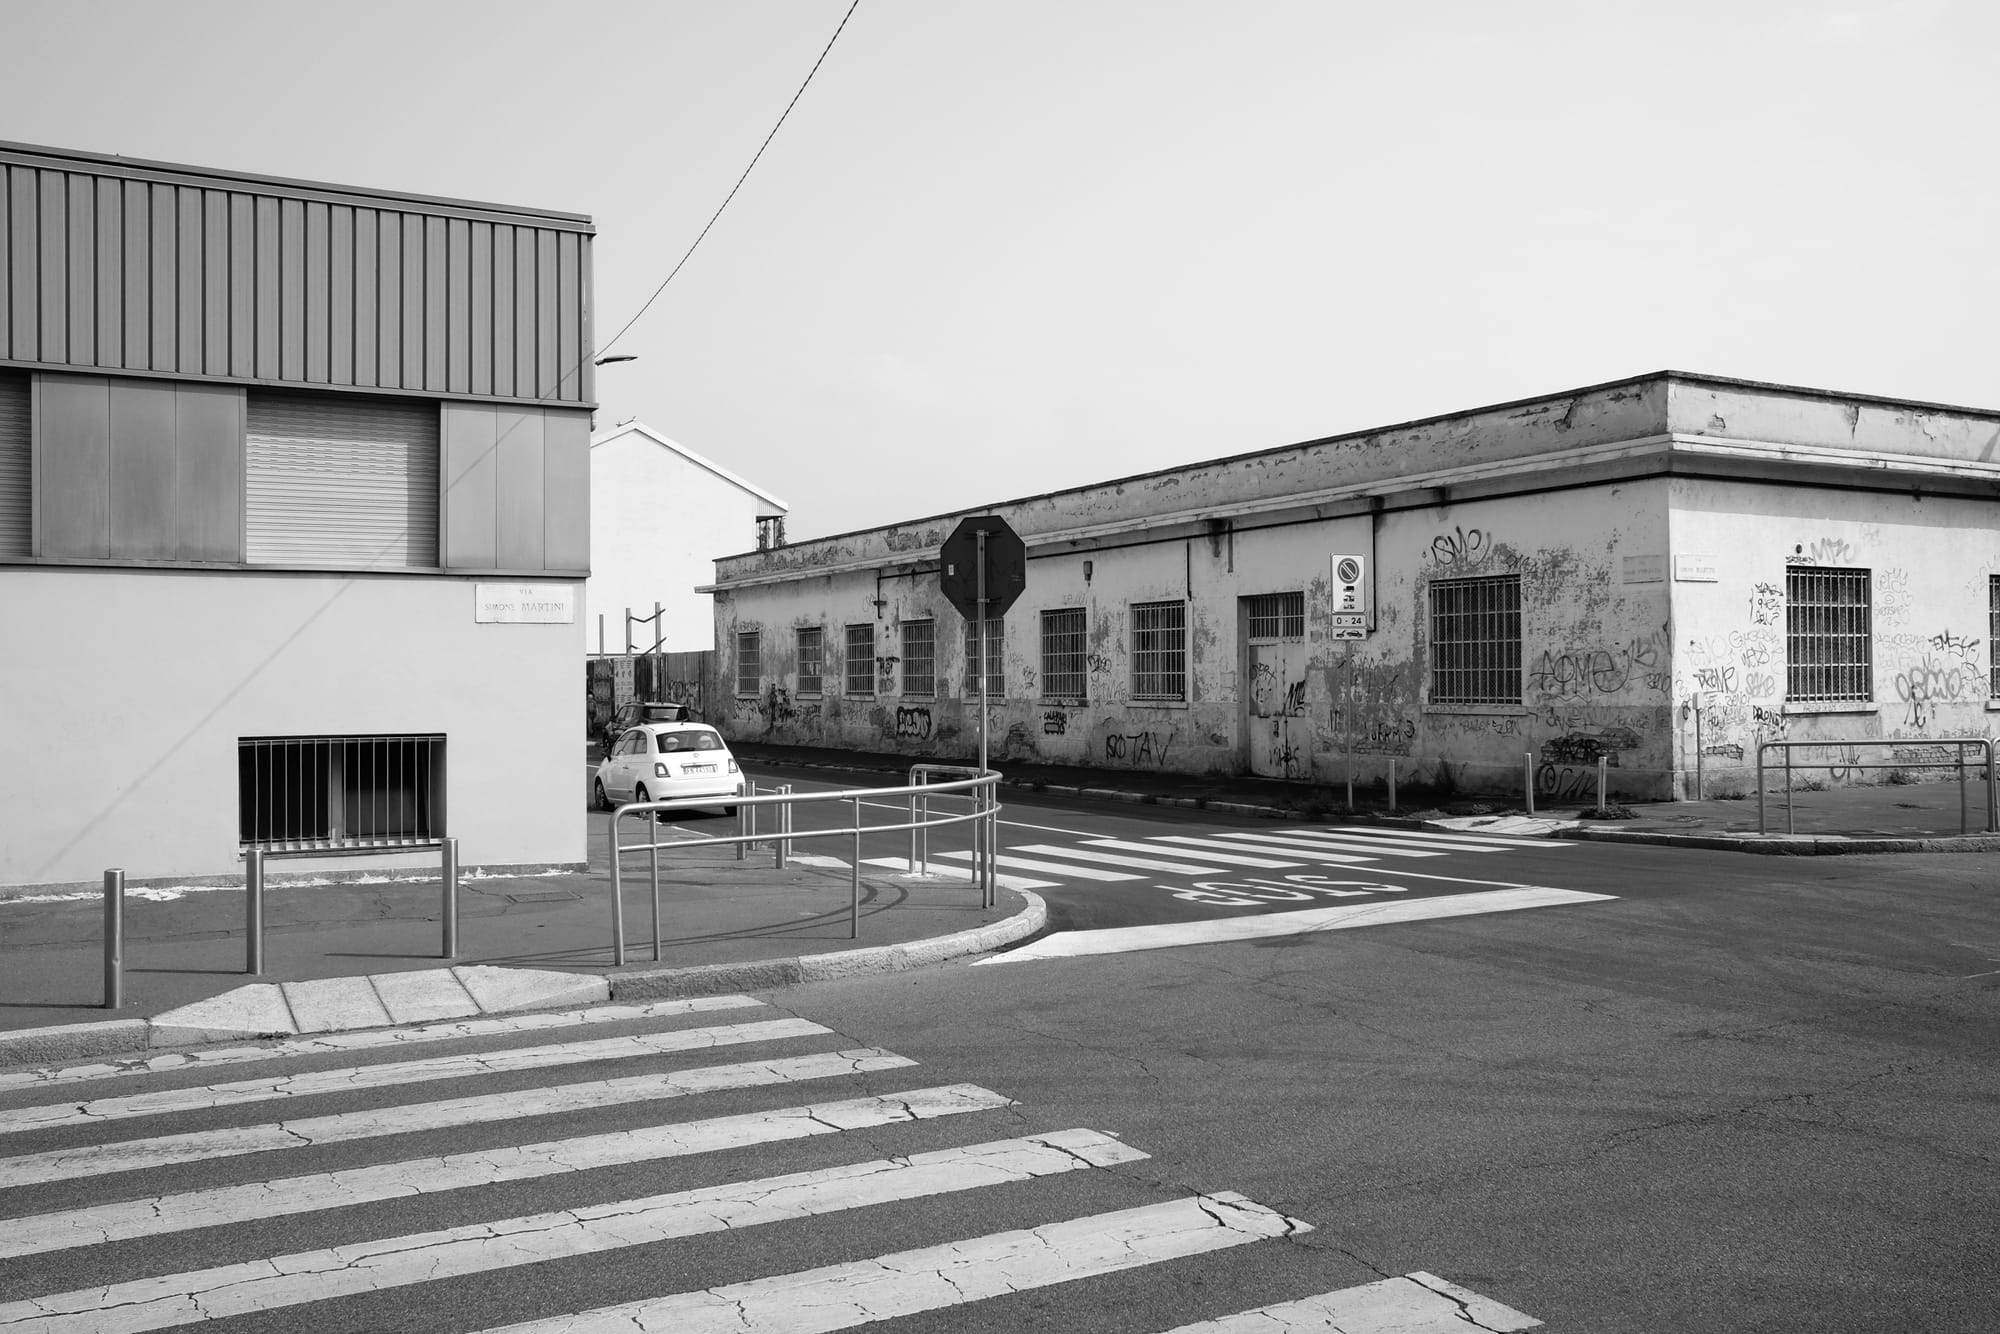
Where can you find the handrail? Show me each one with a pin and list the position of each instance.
(982, 816)
(1959, 742)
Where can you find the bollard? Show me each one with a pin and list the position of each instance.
(1350, 781)
(617, 897)
(653, 832)
(1392, 783)
(783, 846)
(854, 884)
(743, 826)
(450, 911)
(253, 911)
(1529, 768)
(1602, 761)
(114, 939)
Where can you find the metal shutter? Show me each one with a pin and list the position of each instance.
(332, 479)
(16, 482)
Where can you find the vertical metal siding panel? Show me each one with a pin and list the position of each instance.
(242, 335)
(479, 308)
(548, 315)
(340, 294)
(189, 267)
(389, 302)
(138, 320)
(437, 322)
(269, 257)
(73, 430)
(458, 307)
(82, 244)
(524, 312)
(586, 301)
(367, 283)
(208, 472)
(163, 276)
(110, 275)
(503, 309)
(6, 269)
(316, 317)
(141, 472)
(569, 317)
(411, 374)
(52, 268)
(471, 469)
(212, 346)
(522, 481)
(566, 491)
(25, 259)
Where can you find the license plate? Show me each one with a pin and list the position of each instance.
(697, 768)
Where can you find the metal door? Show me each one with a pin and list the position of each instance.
(1274, 692)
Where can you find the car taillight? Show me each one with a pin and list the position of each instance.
(732, 766)
(660, 769)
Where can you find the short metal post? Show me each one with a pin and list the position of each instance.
(924, 843)
(1760, 788)
(993, 845)
(449, 860)
(114, 939)
(979, 844)
(1528, 768)
(617, 897)
(781, 847)
(1392, 782)
(253, 911)
(1788, 790)
(1964, 818)
(913, 830)
(1992, 793)
(1350, 780)
(854, 885)
(1699, 786)
(743, 826)
(1602, 762)
(653, 832)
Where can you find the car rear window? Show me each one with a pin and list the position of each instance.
(693, 738)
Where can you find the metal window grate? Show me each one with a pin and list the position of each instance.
(338, 792)
(1476, 640)
(749, 662)
(812, 659)
(920, 657)
(996, 639)
(1159, 650)
(1828, 644)
(1271, 616)
(1993, 633)
(1064, 667)
(861, 660)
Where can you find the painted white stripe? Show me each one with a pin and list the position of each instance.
(1114, 859)
(321, 1044)
(818, 1301)
(1417, 1303)
(1303, 842)
(958, 872)
(371, 1266)
(1120, 940)
(195, 1146)
(1471, 838)
(426, 1176)
(395, 1073)
(1436, 842)
(1196, 854)
(1053, 868)
(1315, 855)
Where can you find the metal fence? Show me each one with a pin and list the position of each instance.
(1982, 746)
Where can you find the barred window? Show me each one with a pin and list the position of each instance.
(1272, 616)
(749, 662)
(335, 792)
(861, 659)
(996, 677)
(1993, 633)
(1064, 668)
(920, 657)
(1159, 650)
(1828, 641)
(1476, 640)
(812, 657)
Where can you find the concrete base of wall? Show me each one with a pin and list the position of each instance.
(346, 875)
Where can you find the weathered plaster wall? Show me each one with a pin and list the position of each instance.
(1930, 561)
(1831, 421)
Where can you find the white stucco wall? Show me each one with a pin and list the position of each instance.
(658, 521)
(123, 752)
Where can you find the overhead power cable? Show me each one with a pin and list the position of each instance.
(739, 180)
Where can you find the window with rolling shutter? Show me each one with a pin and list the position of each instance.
(16, 493)
(334, 479)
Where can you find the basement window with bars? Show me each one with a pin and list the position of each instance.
(861, 660)
(340, 793)
(920, 657)
(1829, 656)
(812, 660)
(996, 637)
(1065, 670)
(1476, 640)
(1275, 616)
(1159, 651)
(749, 662)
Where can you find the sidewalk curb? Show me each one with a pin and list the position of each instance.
(1785, 845)
(124, 1037)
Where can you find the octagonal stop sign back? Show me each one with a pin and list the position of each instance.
(1006, 565)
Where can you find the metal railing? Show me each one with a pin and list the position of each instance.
(982, 811)
(1847, 763)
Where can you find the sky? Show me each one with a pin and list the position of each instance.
(998, 249)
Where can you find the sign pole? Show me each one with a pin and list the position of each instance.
(982, 650)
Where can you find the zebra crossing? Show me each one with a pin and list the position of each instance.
(1116, 860)
(554, 1175)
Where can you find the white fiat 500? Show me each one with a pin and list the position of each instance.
(688, 764)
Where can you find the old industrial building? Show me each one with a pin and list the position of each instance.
(1659, 572)
(294, 516)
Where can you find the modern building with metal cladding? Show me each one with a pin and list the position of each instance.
(294, 521)
(1660, 575)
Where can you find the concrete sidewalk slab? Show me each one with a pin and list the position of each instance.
(499, 990)
(255, 1011)
(417, 998)
(334, 1004)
